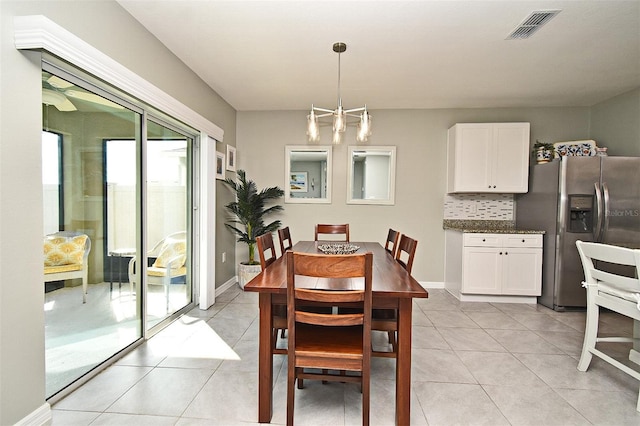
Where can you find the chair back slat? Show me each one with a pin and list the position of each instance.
(604, 255)
(326, 229)
(266, 250)
(330, 320)
(329, 266)
(329, 296)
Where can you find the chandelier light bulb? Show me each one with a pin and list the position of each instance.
(313, 129)
(339, 120)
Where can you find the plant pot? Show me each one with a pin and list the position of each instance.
(543, 155)
(246, 273)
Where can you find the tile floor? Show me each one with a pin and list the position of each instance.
(473, 363)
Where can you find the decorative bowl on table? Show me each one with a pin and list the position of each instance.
(338, 248)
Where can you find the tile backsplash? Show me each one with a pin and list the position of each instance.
(479, 206)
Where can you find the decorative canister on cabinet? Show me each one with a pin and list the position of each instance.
(543, 152)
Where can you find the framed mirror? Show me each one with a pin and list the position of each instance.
(307, 174)
(372, 175)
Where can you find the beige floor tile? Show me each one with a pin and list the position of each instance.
(163, 391)
(534, 405)
(457, 404)
(496, 368)
(604, 408)
(104, 389)
(524, 341)
(495, 320)
(450, 319)
(470, 339)
(435, 365)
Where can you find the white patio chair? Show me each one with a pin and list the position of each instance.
(615, 292)
(171, 256)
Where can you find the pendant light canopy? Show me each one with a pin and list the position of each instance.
(339, 116)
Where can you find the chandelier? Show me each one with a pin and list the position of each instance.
(340, 117)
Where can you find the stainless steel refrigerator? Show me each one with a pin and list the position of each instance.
(579, 198)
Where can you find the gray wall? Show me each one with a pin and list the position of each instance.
(109, 28)
(615, 123)
(420, 137)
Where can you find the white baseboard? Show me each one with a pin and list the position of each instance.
(227, 285)
(432, 284)
(531, 300)
(40, 417)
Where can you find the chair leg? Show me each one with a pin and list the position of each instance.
(84, 289)
(291, 380)
(366, 390)
(590, 330)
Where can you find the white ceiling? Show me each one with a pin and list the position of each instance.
(277, 55)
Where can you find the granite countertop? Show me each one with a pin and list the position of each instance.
(486, 226)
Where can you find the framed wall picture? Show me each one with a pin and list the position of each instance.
(231, 158)
(220, 165)
(298, 182)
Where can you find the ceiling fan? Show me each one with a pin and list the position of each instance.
(56, 92)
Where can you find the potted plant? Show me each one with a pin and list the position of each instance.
(543, 151)
(249, 211)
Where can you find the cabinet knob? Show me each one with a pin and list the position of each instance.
(523, 241)
(489, 186)
(484, 239)
(506, 253)
(500, 253)
(494, 186)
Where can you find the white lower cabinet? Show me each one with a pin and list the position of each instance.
(505, 267)
(504, 264)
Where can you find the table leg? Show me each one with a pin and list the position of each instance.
(403, 363)
(265, 361)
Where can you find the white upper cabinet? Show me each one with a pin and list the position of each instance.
(488, 157)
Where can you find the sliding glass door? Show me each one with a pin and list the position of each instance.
(167, 216)
(117, 189)
(85, 322)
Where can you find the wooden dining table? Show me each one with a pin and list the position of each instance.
(393, 288)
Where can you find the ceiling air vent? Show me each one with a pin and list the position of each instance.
(532, 23)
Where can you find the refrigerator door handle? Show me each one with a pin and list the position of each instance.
(598, 228)
(605, 213)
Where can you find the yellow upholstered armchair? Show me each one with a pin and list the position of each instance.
(170, 255)
(66, 256)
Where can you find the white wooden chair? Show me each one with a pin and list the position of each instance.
(615, 292)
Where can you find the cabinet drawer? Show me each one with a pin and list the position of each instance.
(522, 240)
(482, 240)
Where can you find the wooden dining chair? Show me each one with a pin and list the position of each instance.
(324, 229)
(406, 252)
(266, 250)
(321, 341)
(267, 253)
(610, 287)
(387, 319)
(285, 240)
(391, 245)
